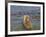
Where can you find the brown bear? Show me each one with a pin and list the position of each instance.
(27, 22)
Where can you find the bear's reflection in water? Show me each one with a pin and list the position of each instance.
(27, 22)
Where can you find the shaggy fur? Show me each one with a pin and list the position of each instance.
(27, 23)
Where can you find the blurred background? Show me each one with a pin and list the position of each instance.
(17, 13)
